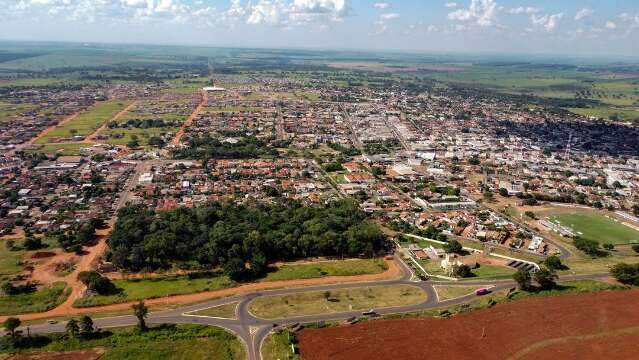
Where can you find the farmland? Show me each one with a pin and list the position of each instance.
(540, 322)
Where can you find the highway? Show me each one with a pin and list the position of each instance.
(252, 330)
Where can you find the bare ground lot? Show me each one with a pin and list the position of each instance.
(583, 326)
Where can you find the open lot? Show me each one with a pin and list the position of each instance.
(38, 301)
(322, 302)
(87, 122)
(327, 268)
(162, 342)
(541, 323)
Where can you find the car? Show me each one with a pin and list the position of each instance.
(52, 322)
(482, 291)
(370, 312)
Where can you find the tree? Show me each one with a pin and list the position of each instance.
(327, 295)
(462, 271)
(553, 262)
(626, 273)
(72, 328)
(141, 312)
(8, 288)
(503, 192)
(546, 278)
(32, 243)
(133, 143)
(523, 279)
(86, 325)
(590, 247)
(96, 282)
(530, 214)
(11, 324)
(453, 247)
(635, 248)
(608, 246)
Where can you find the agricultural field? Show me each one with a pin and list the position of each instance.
(593, 225)
(542, 324)
(335, 301)
(86, 122)
(160, 342)
(38, 301)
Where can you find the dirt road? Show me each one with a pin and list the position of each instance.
(189, 120)
(91, 138)
(44, 132)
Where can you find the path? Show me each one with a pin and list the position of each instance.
(189, 120)
(91, 138)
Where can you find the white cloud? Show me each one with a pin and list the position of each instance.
(451, 5)
(549, 23)
(389, 16)
(583, 13)
(524, 10)
(381, 5)
(480, 12)
(611, 25)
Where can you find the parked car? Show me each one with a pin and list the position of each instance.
(482, 291)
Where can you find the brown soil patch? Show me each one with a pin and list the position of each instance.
(555, 327)
(86, 354)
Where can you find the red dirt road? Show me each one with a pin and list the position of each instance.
(579, 326)
(189, 120)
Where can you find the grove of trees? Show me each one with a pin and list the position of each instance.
(242, 239)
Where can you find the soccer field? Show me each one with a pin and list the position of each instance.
(595, 226)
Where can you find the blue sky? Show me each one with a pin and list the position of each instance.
(602, 28)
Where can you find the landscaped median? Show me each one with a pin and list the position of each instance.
(129, 290)
(336, 301)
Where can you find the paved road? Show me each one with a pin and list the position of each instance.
(252, 330)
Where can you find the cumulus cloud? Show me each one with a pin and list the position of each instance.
(267, 12)
(583, 13)
(547, 22)
(451, 5)
(480, 12)
(611, 25)
(389, 16)
(524, 10)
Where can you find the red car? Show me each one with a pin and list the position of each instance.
(482, 291)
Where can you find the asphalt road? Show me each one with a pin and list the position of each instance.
(252, 330)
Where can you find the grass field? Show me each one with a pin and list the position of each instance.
(226, 311)
(328, 268)
(161, 342)
(87, 122)
(38, 301)
(483, 272)
(277, 346)
(62, 149)
(143, 135)
(316, 302)
(452, 292)
(604, 112)
(10, 262)
(8, 110)
(160, 286)
(168, 285)
(594, 225)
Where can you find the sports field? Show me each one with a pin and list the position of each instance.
(593, 225)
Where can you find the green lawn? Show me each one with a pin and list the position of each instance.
(277, 346)
(156, 287)
(161, 342)
(88, 121)
(38, 301)
(452, 292)
(342, 300)
(595, 226)
(10, 262)
(226, 311)
(483, 272)
(328, 268)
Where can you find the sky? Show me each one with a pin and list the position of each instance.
(604, 28)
